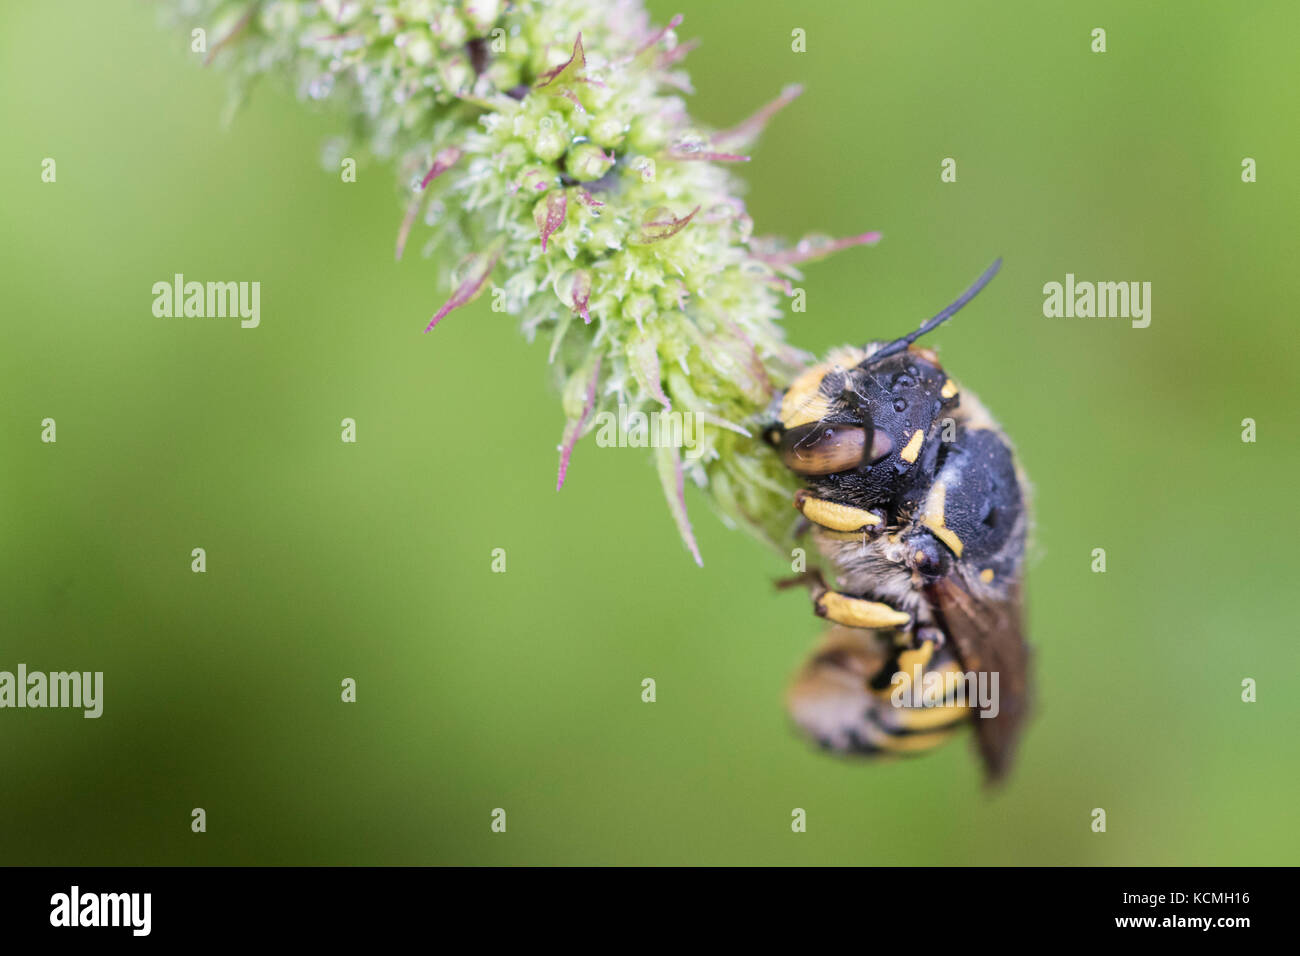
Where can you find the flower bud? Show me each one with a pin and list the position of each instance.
(588, 161)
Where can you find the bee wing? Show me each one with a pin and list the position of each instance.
(989, 637)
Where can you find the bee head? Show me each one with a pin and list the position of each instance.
(870, 417)
(867, 412)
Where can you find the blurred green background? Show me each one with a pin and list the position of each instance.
(522, 690)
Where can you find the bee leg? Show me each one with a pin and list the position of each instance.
(845, 608)
(915, 659)
(836, 516)
(928, 635)
(857, 612)
(911, 638)
(811, 579)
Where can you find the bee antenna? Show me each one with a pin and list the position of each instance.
(930, 325)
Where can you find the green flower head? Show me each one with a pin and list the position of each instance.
(544, 150)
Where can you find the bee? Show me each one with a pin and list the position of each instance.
(916, 501)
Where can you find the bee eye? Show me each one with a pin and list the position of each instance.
(823, 449)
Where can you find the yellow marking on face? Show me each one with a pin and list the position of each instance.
(986, 575)
(835, 516)
(949, 389)
(803, 402)
(933, 518)
(856, 612)
(913, 448)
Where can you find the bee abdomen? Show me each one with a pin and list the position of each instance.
(845, 697)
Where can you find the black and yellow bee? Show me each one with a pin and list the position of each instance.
(917, 503)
